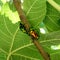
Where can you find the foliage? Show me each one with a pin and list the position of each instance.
(17, 45)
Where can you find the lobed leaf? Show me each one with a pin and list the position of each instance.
(50, 43)
(14, 44)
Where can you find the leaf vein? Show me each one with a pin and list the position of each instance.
(7, 27)
(31, 7)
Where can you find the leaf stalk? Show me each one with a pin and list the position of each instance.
(54, 4)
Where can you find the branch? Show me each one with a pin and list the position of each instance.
(23, 18)
(17, 4)
(41, 50)
(54, 4)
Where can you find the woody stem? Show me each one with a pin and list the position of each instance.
(23, 18)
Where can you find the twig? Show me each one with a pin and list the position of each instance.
(42, 52)
(17, 4)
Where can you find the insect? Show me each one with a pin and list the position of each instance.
(31, 32)
(22, 28)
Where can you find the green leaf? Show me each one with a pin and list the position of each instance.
(11, 38)
(13, 41)
(1, 3)
(51, 44)
(52, 19)
(14, 44)
(2, 56)
(35, 11)
(57, 1)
